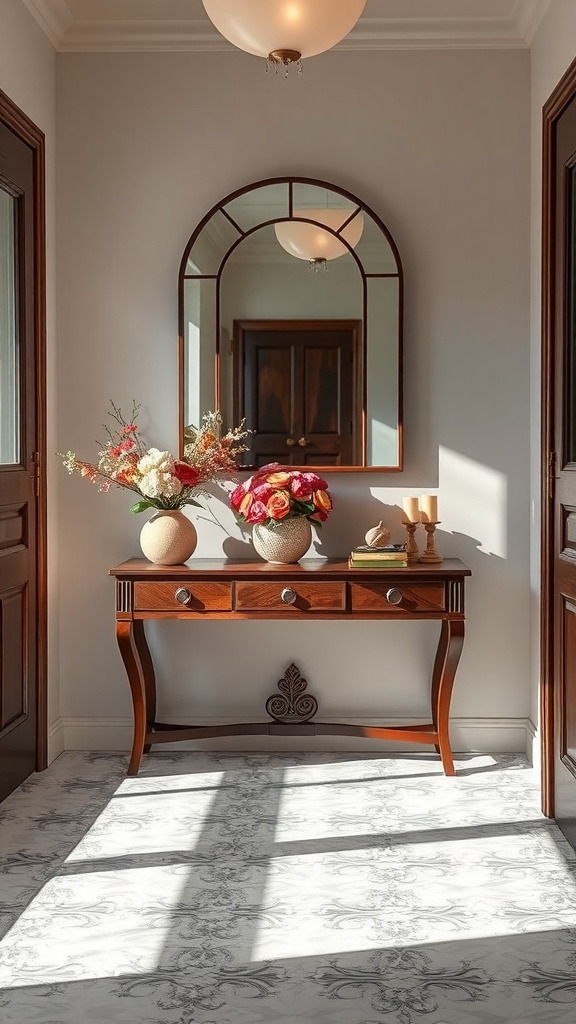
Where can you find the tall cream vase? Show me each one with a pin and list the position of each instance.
(168, 538)
(284, 543)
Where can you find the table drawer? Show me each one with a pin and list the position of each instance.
(300, 595)
(397, 597)
(203, 597)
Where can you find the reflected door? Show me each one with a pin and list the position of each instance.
(298, 384)
(18, 465)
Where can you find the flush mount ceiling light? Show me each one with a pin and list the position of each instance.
(310, 242)
(284, 31)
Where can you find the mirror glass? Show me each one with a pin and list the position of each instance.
(290, 315)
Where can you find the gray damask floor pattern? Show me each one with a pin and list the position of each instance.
(285, 889)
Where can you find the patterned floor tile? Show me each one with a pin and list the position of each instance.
(285, 889)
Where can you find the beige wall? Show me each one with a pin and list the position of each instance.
(437, 143)
(28, 77)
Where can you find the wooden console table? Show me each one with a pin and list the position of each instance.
(312, 589)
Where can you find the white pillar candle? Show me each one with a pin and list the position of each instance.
(429, 508)
(410, 511)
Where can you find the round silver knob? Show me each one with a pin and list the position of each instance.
(393, 596)
(288, 596)
(183, 595)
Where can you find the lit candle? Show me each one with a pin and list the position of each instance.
(429, 508)
(410, 511)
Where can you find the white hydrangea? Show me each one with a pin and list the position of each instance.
(155, 459)
(157, 475)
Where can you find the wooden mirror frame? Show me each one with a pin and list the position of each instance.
(290, 182)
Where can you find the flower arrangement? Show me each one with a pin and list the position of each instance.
(161, 480)
(275, 494)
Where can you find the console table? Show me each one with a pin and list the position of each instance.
(312, 589)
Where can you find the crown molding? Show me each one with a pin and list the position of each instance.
(68, 35)
(529, 17)
(54, 17)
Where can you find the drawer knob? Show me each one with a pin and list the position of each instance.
(183, 595)
(288, 596)
(393, 596)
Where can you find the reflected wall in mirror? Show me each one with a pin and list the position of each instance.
(290, 314)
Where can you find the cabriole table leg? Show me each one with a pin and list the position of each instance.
(445, 665)
(138, 665)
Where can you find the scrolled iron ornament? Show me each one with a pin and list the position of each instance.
(292, 704)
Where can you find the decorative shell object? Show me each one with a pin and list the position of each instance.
(378, 536)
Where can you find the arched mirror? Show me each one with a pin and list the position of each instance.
(290, 315)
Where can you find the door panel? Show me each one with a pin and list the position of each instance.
(22, 629)
(9, 355)
(559, 494)
(567, 701)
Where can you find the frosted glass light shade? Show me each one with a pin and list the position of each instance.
(304, 26)
(310, 242)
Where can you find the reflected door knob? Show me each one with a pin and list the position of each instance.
(290, 441)
(303, 441)
(393, 596)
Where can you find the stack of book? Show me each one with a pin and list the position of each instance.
(389, 556)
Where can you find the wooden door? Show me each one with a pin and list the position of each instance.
(298, 383)
(22, 579)
(559, 450)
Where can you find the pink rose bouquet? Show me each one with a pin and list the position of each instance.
(160, 480)
(276, 493)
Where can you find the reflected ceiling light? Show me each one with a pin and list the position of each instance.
(284, 31)
(310, 242)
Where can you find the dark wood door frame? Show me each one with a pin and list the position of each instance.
(555, 106)
(25, 129)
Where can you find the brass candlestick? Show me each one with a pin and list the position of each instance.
(411, 545)
(430, 554)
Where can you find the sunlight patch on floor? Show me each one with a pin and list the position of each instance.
(138, 820)
(99, 925)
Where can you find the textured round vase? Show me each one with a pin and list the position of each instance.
(284, 543)
(168, 538)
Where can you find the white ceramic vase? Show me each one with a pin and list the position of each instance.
(168, 538)
(285, 543)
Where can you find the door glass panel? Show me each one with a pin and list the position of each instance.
(9, 363)
(570, 412)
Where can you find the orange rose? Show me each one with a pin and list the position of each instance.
(244, 506)
(278, 504)
(278, 480)
(322, 500)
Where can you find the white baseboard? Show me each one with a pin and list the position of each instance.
(533, 744)
(56, 739)
(481, 735)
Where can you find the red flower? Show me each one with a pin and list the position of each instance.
(257, 513)
(237, 495)
(300, 486)
(262, 492)
(186, 474)
(316, 482)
